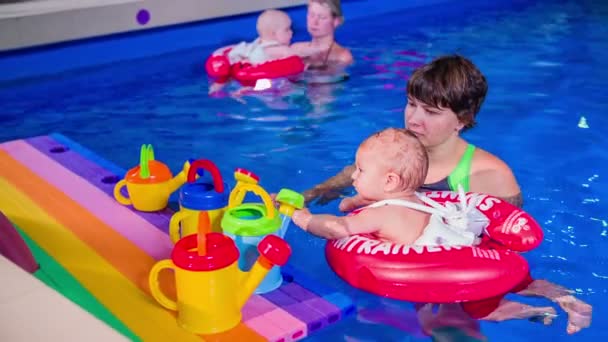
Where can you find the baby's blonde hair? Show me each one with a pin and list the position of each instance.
(268, 20)
(401, 152)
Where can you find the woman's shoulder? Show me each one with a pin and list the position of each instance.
(343, 54)
(483, 159)
(491, 175)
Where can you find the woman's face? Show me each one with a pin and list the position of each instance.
(319, 20)
(433, 126)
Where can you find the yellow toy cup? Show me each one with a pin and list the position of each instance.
(200, 198)
(150, 184)
(211, 290)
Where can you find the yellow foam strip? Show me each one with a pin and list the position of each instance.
(132, 306)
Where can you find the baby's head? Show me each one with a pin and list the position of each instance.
(388, 162)
(275, 25)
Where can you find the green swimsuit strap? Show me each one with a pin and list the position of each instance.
(461, 173)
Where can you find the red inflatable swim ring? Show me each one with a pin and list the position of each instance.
(218, 67)
(442, 274)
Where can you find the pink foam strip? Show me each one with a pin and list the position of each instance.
(293, 328)
(257, 306)
(265, 328)
(137, 230)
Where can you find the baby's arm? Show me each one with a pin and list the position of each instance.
(305, 49)
(279, 52)
(222, 50)
(334, 227)
(351, 203)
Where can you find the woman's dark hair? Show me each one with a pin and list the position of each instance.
(450, 82)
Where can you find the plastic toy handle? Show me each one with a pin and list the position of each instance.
(155, 290)
(208, 165)
(118, 196)
(199, 172)
(245, 176)
(174, 225)
(238, 194)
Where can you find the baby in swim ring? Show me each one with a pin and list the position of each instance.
(274, 30)
(390, 166)
(274, 37)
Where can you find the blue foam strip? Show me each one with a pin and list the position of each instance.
(338, 299)
(104, 163)
(88, 154)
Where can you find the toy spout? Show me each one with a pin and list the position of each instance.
(179, 179)
(285, 221)
(289, 201)
(273, 251)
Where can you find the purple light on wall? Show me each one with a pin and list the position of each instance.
(143, 16)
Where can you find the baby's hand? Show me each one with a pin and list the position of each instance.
(346, 205)
(301, 218)
(215, 87)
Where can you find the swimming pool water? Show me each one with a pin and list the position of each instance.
(546, 64)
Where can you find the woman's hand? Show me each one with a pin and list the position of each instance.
(321, 194)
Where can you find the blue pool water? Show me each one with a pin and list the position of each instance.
(547, 67)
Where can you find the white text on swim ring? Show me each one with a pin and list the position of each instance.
(372, 247)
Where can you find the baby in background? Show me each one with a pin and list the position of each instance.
(273, 42)
(390, 166)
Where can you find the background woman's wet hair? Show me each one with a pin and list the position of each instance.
(334, 6)
(452, 82)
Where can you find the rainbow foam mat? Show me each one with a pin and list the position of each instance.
(98, 253)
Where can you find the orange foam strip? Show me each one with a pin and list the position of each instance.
(240, 333)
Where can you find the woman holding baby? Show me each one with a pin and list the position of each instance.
(322, 19)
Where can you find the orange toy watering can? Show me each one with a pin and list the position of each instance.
(150, 184)
(211, 289)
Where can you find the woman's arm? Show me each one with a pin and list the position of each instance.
(492, 176)
(331, 188)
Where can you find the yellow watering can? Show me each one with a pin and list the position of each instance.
(211, 289)
(150, 184)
